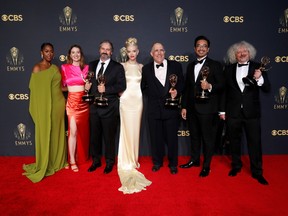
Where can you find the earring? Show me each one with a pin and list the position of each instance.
(41, 56)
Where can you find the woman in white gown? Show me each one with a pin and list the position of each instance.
(131, 106)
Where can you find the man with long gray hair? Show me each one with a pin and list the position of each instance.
(241, 106)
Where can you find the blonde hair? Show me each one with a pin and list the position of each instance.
(131, 42)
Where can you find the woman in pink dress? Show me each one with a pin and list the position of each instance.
(73, 75)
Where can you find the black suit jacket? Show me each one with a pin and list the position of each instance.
(249, 99)
(115, 83)
(157, 94)
(192, 88)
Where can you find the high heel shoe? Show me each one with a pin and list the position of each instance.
(74, 167)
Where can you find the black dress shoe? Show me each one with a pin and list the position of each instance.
(190, 164)
(234, 172)
(173, 170)
(260, 179)
(204, 172)
(108, 169)
(94, 166)
(155, 168)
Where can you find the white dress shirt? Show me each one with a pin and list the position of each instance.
(99, 66)
(198, 67)
(161, 72)
(240, 73)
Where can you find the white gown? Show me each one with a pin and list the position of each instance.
(131, 106)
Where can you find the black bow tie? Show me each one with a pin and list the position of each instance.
(240, 65)
(159, 65)
(199, 61)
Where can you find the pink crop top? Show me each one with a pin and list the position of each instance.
(71, 75)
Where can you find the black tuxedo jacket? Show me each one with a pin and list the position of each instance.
(193, 89)
(115, 83)
(157, 93)
(249, 99)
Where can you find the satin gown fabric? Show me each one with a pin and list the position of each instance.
(78, 109)
(131, 106)
(47, 108)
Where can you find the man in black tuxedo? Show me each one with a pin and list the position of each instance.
(241, 106)
(104, 120)
(163, 120)
(202, 113)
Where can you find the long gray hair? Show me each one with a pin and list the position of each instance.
(231, 52)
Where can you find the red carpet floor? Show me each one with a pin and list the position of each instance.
(83, 193)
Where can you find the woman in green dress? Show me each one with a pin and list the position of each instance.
(47, 108)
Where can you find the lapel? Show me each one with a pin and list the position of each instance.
(250, 74)
(108, 71)
(251, 69)
(159, 87)
(193, 73)
(234, 77)
(199, 77)
(154, 78)
(169, 72)
(93, 68)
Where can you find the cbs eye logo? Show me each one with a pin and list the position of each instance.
(123, 18)
(279, 59)
(12, 18)
(183, 133)
(179, 58)
(233, 19)
(62, 58)
(18, 97)
(279, 132)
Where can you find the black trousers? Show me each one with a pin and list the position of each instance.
(203, 129)
(162, 132)
(252, 128)
(103, 129)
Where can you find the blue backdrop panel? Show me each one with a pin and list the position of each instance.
(25, 25)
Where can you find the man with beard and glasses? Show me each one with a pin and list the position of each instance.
(104, 119)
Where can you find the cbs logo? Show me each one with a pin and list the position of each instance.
(183, 133)
(18, 97)
(179, 58)
(62, 58)
(233, 19)
(123, 18)
(279, 59)
(12, 18)
(279, 132)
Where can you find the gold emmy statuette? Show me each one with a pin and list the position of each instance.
(204, 72)
(101, 101)
(172, 102)
(251, 81)
(87, 97)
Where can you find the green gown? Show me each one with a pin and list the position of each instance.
(47, 108)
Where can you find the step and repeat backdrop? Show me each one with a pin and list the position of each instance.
(26, 24)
